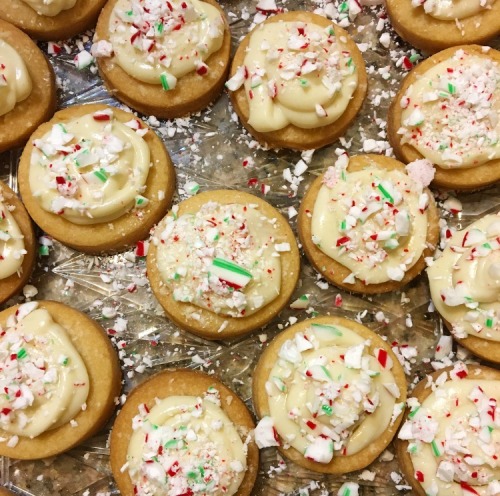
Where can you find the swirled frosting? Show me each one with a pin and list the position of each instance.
(44, 381)
(12, 249)
(15, 81)
(449, 10)
(454, 437)
(91, 169)
(451, 112)
(328, 394)
(465, 280)
(372, 221)
(296, 73)
(186, 446)
(50, 8)
(158, 42)
(224, 258)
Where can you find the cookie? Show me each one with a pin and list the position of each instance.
(464, 281)
(330, 394)
(223, 264)
(28, 91)
(297, 81)
(55, 20)
(175, 69)
(367, 224)
(60, 376)
(200, 438)
(448, 442)
(435, 25)
(17, 244)
(6, 492)
(446, 111)
(96, 178)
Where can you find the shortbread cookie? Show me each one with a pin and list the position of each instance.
(447, 111)
(51, 19)
(17, 244)
(434, 25)
(189, 426)
(330, 394)
(367, 224)
(96, 178)
(465, 286)
(297, 81)
(27, 86)
(177, 67)
(60, 376)
(448, 444)
(223, 264)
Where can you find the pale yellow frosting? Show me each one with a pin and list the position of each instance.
(50, 8)
(449, 10)
(12, 249)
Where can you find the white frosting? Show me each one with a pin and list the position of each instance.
(372, 221)
(44, 381)
(90, 170)
(449, 10)
(465, 280)
(186, 446)
(328, 395)
(12, 249)
(158, 42)
(15, 81)
(451, 113)
(50, 8)
(454, 437)
(297, 73)
(222, 258)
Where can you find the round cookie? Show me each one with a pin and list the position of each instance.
(334, 271)
(292, 136)
(469, 178)
(101, 362)
(208, 324)
(64, 25)
(420, 393)
(179, 383)
(5, 492)
(431, 34)
(123, 231)
(193, 92)
(323, 349)
(12, 284)
(17, 125)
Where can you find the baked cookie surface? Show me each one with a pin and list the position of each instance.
(366, 225)
(297, 81)
(171, 77)
(445, 112)
(29, 96)
(179, 402)
(103, 195)
(54, 408)
(223, 264)
(332, 391)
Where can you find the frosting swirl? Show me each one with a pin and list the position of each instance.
(50, 8)
(12, 249)
(465, 280)
(449, 10)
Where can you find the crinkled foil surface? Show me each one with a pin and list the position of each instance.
(211, 148)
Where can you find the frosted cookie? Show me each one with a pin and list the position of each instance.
(27, 86)
(434, 25)
(17, 244)
(183, 432)
(297, 81)
(465, 286)
(447, 111)
(51, 19)
(59, 377)
(167, 59)
(96, 178)
(330, 394)
(367, 224)
(448, 445)
(223, 263)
